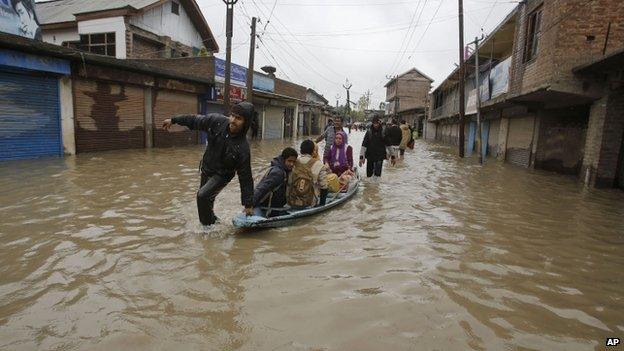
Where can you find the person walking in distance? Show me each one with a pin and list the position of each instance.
(227, 153)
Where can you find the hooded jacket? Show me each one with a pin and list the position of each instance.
(373, 145)
(393, 135)
(226, 154)
(274, 181)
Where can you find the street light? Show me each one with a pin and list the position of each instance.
(229, 4)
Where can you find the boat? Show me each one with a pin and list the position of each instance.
(290, 216)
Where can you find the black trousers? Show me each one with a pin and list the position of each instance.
(210, 186)
(373, 167)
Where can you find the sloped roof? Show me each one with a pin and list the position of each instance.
(65, 11)
(408, 72)
(58, 11)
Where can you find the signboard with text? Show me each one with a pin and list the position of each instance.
(238, 77)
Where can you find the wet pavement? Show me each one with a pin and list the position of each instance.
(104, 251)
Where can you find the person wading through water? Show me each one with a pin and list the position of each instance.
(227, 153)
(373, 149)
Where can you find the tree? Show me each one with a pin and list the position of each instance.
(363, 102)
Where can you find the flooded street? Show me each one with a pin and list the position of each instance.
(104, 251)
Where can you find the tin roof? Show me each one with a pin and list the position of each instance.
(58, 11)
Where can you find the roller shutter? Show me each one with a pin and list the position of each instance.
(273, 122)
(166, 104)
(29, 116)
(108, 116)
(520, 140)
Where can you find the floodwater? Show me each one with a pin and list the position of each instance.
(104, 252)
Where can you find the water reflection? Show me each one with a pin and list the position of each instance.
(104, 251)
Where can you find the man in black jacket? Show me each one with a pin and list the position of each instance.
(227, 152)
(393, 136)
(271, 191)
(373, 149)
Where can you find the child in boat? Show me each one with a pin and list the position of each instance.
(340, 159)
(307, 183)
(271, 191)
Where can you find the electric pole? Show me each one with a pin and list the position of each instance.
(250, 69)
(348, 86)
(228, 53)
(479, 141)
(337, 98)
(462, 73)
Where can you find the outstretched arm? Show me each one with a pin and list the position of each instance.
(193, 122)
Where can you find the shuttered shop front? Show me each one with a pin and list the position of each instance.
(169, 103)
(520, 140)
(273, 122)
(109, 116)
(29, 116)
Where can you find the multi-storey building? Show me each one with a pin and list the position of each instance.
(127, 28)
(550, 89)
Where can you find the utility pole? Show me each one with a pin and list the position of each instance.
(462, 73)
(368, 96)
(250, 69)
(228, 53)
(337, 98)
(479, 141)
(348, 86)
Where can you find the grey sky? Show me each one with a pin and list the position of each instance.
(320, 43)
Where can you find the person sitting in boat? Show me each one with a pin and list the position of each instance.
(339, 158)
(271, 191)
(307, 183)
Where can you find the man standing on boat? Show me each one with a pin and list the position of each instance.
(227, 153)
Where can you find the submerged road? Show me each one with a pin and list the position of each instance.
(104, 251)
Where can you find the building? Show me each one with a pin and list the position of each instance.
(57, 101)
(407, 97)
(551, 91)
(277, 102)
(315, 114)
(127, 28)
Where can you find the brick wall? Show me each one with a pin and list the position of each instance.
(413, 93)
(283, 87)
(563, 44)
(145, 49)
(197, 66)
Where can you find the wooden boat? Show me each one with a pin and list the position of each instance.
(289, 216)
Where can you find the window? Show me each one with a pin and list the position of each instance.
(534, 26)
(175, 8)
(98, 43)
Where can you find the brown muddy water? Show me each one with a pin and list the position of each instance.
(104, 251)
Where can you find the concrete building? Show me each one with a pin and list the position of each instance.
(551, 91)
(278, 102)
(407, 97)
(127, 28)
(315, 114)
(57, 101)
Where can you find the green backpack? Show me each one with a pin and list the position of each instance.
(301, 191)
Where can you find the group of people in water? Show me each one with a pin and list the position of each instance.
(298, 179)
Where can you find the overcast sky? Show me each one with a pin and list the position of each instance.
(320, 43)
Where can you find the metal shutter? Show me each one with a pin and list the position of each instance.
(30, 123)
(167, 104)
(108, 116)
(520, 140)
(273, 123)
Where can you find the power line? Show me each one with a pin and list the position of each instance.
(406, 34)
